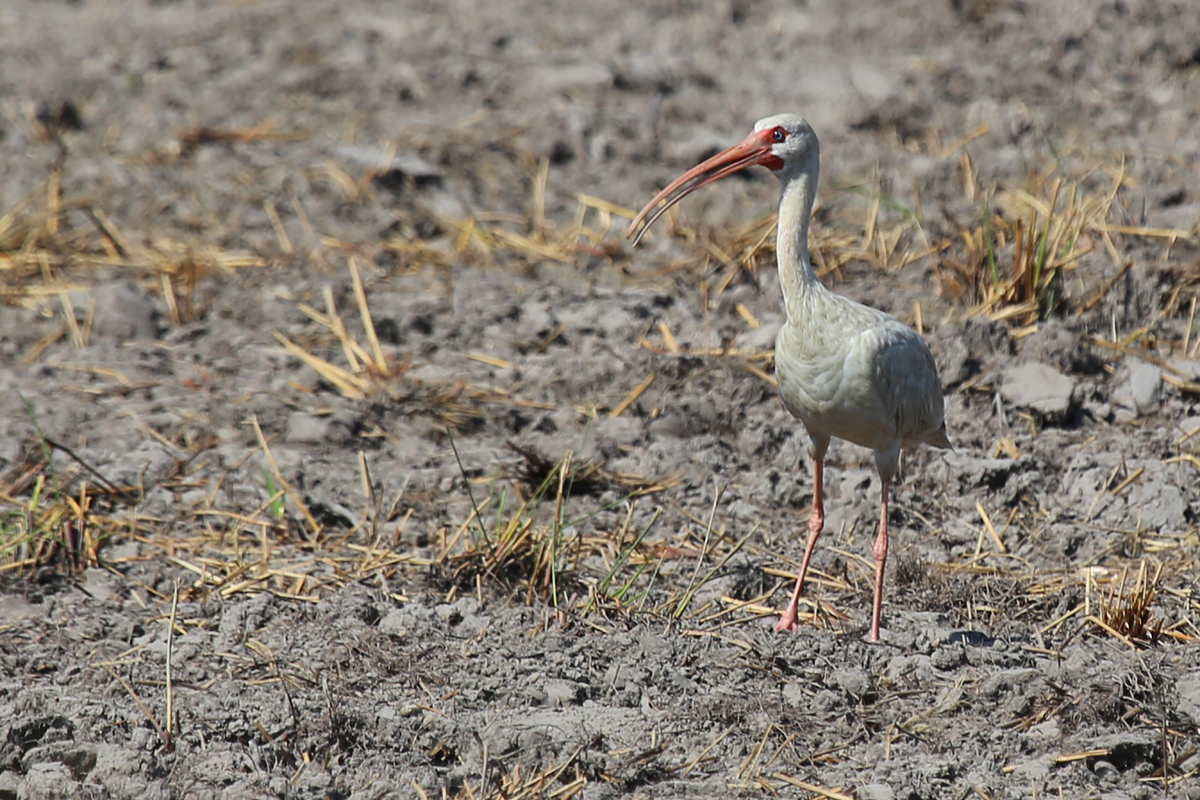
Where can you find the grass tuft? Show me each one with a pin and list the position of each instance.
(585, 478)
(528, 547)
(1011, 263)
(1126, 611)
(44, 530)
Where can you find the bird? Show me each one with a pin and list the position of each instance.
(845, 370)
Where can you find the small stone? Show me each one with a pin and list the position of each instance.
(1145, 380)
(121, 766)
(948, 657)
(1039, 388)
(395, 623)
(562, 693)
(825, 700)
(1035, 770)
(48, 781)
(467, 605)
(9, 783)
(1123, 416)
(1187, 689)
(854, 682)
(598, 790)
(119, 311)
(878, 791)
(795, 696)
(741, 510)
(1047, 731)
(623, 430)
(307, 429)
(100, 584)
(670, 423)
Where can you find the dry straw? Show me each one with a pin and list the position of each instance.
(1012, 261)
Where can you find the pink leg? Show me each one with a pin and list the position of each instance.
(880, 552)
(816, 522)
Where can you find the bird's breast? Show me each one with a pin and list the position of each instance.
(822, 385)
(871, 384)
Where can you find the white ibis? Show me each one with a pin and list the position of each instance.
(846, 370)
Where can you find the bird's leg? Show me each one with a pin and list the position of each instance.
(815, 523)
(880, 552)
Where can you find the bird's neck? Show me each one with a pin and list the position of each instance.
(796, 273)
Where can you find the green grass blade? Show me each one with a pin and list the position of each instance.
(989, 242)
(470, 493)
(624, 555)
(691, 593)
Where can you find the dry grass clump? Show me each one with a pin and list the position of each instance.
(540, 545)
(1134, 607)
(51, 522)
(43, 535)
(369, 372)
(552, 547)
(970, 592)
(1011, 265)
(523, 547)
(51, 245)
(586, 477)
(1127, 610)
(1017, 260)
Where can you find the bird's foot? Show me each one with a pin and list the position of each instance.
(787, 622)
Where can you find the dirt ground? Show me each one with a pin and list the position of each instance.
(520, 528)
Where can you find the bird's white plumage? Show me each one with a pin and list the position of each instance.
(845, 370)
(851, 372)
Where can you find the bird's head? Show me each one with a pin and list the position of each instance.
(787, 142)
(783, 143)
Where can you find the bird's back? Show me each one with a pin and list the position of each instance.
(852, 372)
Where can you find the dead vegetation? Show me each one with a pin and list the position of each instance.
(1012, 262)
(584, 572)
(1127, 611)
(52, 523)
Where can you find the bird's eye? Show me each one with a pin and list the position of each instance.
(778, 134)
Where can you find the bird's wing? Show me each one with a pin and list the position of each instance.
(906, 377)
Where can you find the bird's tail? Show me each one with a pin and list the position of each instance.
(939, 438)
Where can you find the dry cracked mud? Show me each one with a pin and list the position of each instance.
(528, 540)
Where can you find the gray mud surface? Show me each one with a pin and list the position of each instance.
(220, 163)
